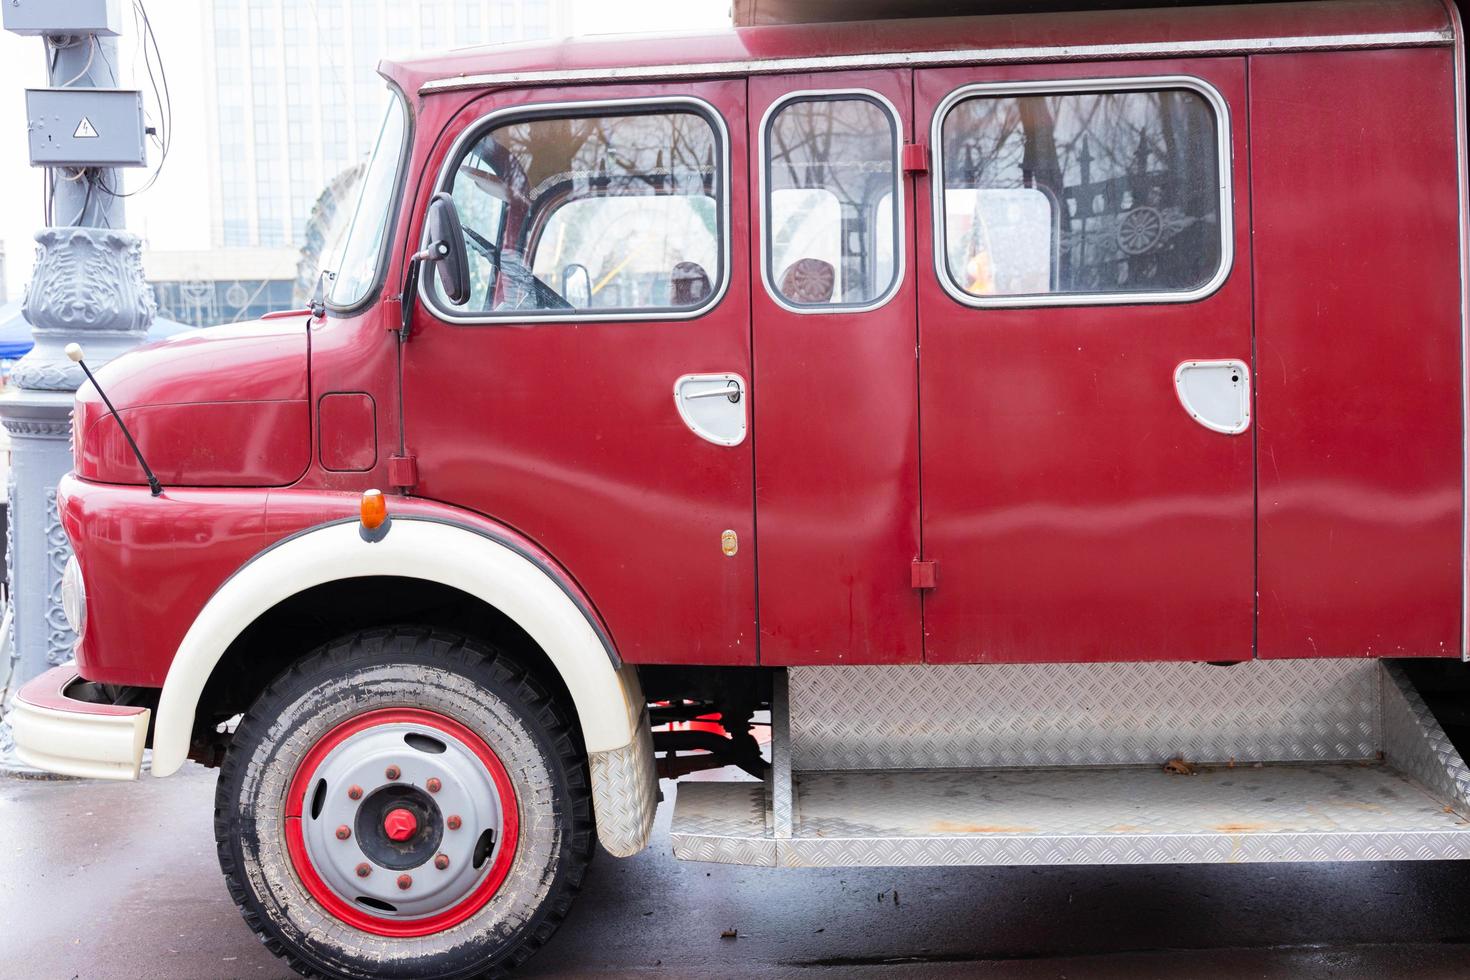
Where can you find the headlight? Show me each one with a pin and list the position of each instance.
(74, 596)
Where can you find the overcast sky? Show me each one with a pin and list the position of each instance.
(172, 215)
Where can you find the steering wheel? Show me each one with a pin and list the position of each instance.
(513, 270)
(546, 297)
(483, 245)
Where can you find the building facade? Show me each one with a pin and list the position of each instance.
(292, 104)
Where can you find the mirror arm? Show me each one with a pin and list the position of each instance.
(432, 252)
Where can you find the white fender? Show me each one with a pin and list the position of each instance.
(608, 698)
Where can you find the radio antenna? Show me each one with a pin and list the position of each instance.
(74, 351)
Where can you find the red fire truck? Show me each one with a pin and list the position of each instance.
(1055, 421)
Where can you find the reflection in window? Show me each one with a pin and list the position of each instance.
(630, 252)
(1111, 192)
(362, 250)
(607, 213)
(831, 172)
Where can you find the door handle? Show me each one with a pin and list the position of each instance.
(1216, 394)
(732, 391)
(713, 406)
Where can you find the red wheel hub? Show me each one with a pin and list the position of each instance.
(400, 824)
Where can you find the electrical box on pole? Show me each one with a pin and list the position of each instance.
(86, 127)
(62, 17)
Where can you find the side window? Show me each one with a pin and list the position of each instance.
(831, 177)
(1067, 196)
(615, 213)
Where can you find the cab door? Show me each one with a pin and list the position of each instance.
(836, 388)
(1085, 364)
(593, 391)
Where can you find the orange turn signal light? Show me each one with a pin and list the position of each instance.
(374, 509)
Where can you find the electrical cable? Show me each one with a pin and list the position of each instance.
(162, 95)
(111, 68)
(162, 98)
(91, 54)
(86, 201)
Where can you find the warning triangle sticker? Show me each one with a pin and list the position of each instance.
(85, 130)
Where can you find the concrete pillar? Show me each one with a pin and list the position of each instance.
(88, 287)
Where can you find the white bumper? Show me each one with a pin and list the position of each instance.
(76, 738)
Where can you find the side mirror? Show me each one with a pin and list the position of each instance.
(576, 285)
(446, 248)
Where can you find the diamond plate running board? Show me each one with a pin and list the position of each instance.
(1125, 815)
(1405, 797)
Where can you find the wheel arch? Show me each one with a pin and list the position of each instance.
(496, 571)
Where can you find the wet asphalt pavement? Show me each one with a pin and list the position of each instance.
(112, 880)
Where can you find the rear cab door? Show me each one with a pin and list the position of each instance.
(836, 385)
(1086, 344)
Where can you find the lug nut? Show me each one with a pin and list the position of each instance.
(392, 772)
(441, 861)
(405, 882)
(453, 822)
(364, 869)
(343, 832)
(354, 792)
(434, 785)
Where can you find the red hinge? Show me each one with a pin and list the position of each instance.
(915, 158)
(924, 574)
(403, 471)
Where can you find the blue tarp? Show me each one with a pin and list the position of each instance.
(15, 332)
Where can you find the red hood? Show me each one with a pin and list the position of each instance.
(261, 360)
(225, 406)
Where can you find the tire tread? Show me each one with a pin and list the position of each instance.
(465, 656)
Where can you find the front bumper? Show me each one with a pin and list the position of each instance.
(62, 734)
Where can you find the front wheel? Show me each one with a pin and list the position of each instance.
(403, 803)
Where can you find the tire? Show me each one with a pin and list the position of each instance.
(309, 810)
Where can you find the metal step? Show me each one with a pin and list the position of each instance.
(1123, 815)
(1350, 767)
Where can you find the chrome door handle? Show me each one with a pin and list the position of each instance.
(732, 391)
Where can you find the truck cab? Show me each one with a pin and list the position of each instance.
(1051, 425)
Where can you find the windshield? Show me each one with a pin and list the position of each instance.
(357, 269)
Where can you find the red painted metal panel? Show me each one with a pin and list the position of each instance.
(1075, 511)
(837, 456)
(569, 433)
(1358, 330)
(150, 563)
(208, 444)
(185, 544)
(347, 431)
(257, 361)
(226, 407)
(355, 354)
